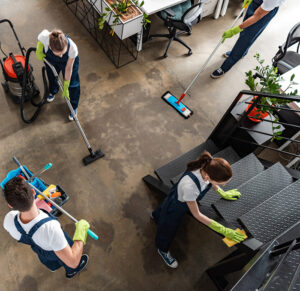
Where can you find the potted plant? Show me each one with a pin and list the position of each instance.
(124, 16)
(269, 82)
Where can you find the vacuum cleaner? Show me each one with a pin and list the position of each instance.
(19, 82)
(94, 155)
(175, 102)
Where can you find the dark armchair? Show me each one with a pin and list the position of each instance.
(286, 59)
(178, 24)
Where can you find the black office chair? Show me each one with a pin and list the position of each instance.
(286, 60)
(190, 17)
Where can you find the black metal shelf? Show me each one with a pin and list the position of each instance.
(120, 52)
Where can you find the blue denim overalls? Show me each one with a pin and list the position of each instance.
(248, 35)
(59, 64)
(170, 213)
(48, 258)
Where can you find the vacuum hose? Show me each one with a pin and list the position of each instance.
(24, 87)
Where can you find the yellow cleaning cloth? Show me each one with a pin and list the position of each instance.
(229, 242)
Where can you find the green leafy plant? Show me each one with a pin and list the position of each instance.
(120, 8)
(269, 82)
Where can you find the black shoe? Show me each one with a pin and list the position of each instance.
(82, 264)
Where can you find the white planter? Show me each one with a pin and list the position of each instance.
(123, 29)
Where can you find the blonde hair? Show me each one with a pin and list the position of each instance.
(57, 40)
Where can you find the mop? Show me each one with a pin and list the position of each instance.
(90, 233)
(93, 155)
(176, 103)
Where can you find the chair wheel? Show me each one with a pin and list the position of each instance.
(190, 52)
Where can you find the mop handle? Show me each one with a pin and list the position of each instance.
(41, 171)
(91, 233)
(211, 55)
(68, 102)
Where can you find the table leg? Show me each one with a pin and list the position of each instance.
(139, 43)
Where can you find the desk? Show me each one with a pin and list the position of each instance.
(151, 7)
(154, 6)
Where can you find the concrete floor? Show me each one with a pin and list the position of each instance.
(122, 113)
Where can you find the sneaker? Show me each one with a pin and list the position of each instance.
(217, 73)
(50, 98)
(82, 264)
(169, 260)
(226, 55)
(151, 216)
(71, 116)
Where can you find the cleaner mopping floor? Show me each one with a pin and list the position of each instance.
(175, 102)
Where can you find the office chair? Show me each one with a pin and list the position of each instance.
(286, 60)
(180, 17)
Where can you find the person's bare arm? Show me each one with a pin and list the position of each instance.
(258, 14)
(193, 206)
(71, 256)
(69, 69)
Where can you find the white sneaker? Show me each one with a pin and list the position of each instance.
(50, 98)
(71, 116)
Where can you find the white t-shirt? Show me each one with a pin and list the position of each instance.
(43, 37)
(187, 189)
(269, 5)
(49, 236)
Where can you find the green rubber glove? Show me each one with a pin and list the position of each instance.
(231, 32)
(233, 194)
(39, 51)
(65, 93)
(247, 3)
(227, 232)
(82, 227)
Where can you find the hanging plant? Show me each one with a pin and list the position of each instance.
(121, 10)
(269, 82)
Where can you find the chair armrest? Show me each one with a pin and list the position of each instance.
(169, 12)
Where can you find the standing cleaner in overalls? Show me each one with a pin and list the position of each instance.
(62, 53)
(42, 231)
(201, 175)
(258, 16)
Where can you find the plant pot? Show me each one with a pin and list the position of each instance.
(255, 112)
(129, 24)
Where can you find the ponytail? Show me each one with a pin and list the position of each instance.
(201, 162)
(57, 40)
(217, 169)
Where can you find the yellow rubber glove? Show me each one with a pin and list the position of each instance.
(231, 32)
(233, 194)
(65, 93)
(227, 232)
(82, 227)
(39, 51)
(247, 3)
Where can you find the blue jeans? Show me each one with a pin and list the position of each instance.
(248, 35)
